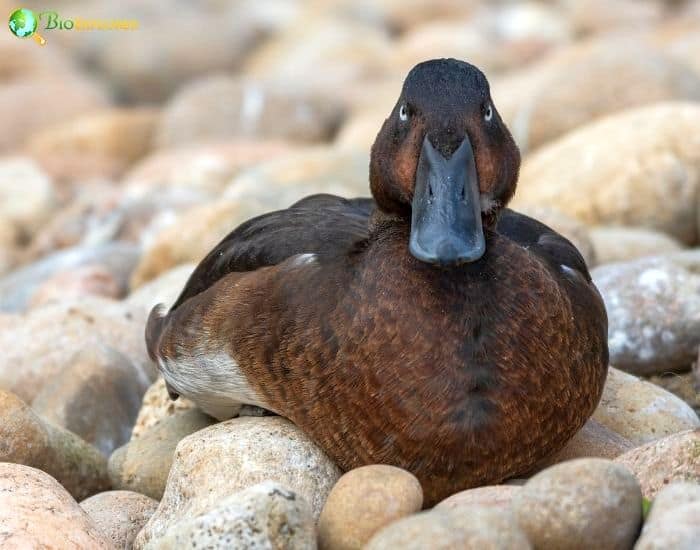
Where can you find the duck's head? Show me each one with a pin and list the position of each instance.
(445, 159)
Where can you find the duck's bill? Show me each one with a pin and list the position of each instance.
(446, 225)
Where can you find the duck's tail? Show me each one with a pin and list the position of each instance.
(155, 325)
(154, 330)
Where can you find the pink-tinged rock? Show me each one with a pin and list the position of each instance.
(673, 458)
(36, 512)
(492, 496)
(119, 515)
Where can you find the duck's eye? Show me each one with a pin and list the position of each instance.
(403, 112)
(488, 113)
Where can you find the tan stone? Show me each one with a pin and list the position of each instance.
(365, 500)
(674, 458)
(157, 406)
(205, 168)
(452, 529)
(36, 512)
(583, 503)
(85, 280)
(206, 226)
(621, 244)
(234, 455)
(27, 196)
(491, 496)
(102, 143)
(280, 182)
(143, 464)
(594, 440)
(24, 108)
(219, 108)
(639, 167)
(119, 515)
(266, 515)
(641, 411)
(28, 439)
(323, 54)
(587, 80)
(96, 396)
(32, 355)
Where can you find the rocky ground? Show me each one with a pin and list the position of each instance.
(127, 156)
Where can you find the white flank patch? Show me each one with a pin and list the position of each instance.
(213, 381)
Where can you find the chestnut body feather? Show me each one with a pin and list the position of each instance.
(466, 374)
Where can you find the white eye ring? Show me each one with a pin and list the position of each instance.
(488, 115)
(403, 113)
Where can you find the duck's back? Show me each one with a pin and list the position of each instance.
(324, 225)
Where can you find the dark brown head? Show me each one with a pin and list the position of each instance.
(445, 159)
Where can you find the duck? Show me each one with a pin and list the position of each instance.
(427, 327)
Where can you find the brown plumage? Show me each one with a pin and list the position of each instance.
(465, 369)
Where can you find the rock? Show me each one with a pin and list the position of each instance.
(206, 226)
(141, 76)
(98, 144)
(27, 439)
(594, 440)
(162, 290)
(266, 515)
(491, 496)
(598, 16)
(671, 497)
(673, 458)
(685, 385)
(324, 55)
(19, 288)
(72, 284)
(587, 80)
(93, 216)
(36, 512)
(27, 195)
(455, 529)
(403, 15)
(674, 520)
(220, 107)
(237, 454)
(583, 503)
(360, 129)
(143, 464)
(641, 168)
(96, 396)
(641, 411)
(365, 500)
(31, 354)
(119, 515)
(157, 406)
(622, 244)
(203, 168)
(653, 320)
(495, 38)
(568, 227)
(280, 182)
(23, 105)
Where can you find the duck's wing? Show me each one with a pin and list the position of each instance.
(557, 251)
(323, 225)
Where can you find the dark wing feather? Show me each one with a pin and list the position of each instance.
(543, 241)
(324, 225)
